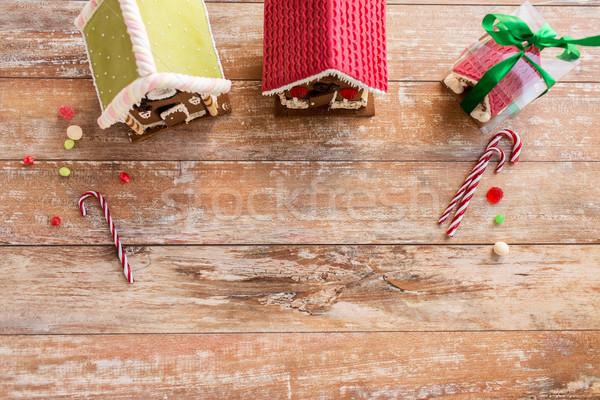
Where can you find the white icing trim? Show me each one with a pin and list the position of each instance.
(328, 72)
(195, 115)
(176, 108)
(132, 94)
(302, 104)
(161, 94)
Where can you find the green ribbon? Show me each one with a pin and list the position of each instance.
(513, 31)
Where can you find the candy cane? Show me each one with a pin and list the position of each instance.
(493, 142)
(113, 230)
(470, 191)
(516, 151)
(479, 168)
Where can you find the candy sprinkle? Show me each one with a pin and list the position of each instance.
(28, 160)
(124, 177)
(64, 171)
(69, 144)
(499, 219)
(66, 112)
(74, 132)
(55, 221)
(495, 194)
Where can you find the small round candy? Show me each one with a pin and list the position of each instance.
(28, 160)
(499, 219)
(64, 171)
(55, 221)
(501, 248)
(123, 176)
(298, 92)
(66, 112)
(74, 132)
(495, 194)
(69, 144)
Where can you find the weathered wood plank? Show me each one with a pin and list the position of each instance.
(437, 365)
(296, 202)
(415, 121)
(298, 288)
(423, 41)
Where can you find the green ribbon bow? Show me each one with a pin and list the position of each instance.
(513, 31)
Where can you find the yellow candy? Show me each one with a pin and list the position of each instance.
(69, 144)
(74, 132)
(64, 171)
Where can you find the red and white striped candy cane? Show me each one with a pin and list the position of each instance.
(462, 208)
(479, 168)
(113, 230)
(516, 151)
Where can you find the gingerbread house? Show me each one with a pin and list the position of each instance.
(324, 54)
(154, 63)
(521, 78)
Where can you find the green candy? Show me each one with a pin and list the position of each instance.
(499, 219)
(64, 171)
(69, 144)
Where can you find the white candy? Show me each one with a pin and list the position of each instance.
(74, 132)
(501, 248)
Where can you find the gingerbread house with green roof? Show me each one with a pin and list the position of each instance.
(154, 63)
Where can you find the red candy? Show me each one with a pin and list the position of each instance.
(349, 93)
(298, 92)
(66, 112)
(495, 194)
(124, 177)
(28, 160)
(55, 221)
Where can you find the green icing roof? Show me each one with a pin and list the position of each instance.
(180, 37)
(110, 50)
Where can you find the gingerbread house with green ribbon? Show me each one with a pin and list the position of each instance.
(154, 63)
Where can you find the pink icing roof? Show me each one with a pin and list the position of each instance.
(308, 38)
(521, 77)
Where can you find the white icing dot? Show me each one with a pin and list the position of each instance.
(93, 28)
(101, 92)
(107, 17)
(103, 35)
(113, 37)
(179, 12)
(183, 46)
(169, 25)
(155, 43)
(123, 35)
(114, 77)
(110, 91)
(185, 29)
(127, 58)
(105, 73)
(108, 57)
(118, 56)
(99, 54)
(149, 23)
(91, 51)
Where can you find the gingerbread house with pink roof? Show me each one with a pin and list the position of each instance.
(325, 54)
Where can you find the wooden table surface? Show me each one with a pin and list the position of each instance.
(297, 258)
